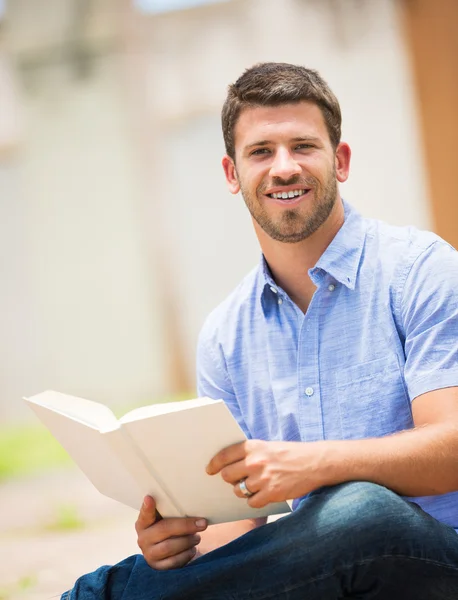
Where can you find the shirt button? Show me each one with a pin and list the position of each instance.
(331, 287)
(309, 391)
(280, 301)
(274, 290)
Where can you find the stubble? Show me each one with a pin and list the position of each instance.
(294, 225)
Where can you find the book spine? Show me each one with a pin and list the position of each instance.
(143, 472)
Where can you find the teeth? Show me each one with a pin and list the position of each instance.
(285, 195)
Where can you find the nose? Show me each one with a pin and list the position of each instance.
(284, 165)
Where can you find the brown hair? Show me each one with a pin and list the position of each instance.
(273, 84)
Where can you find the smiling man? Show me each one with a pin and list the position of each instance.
(338, 356)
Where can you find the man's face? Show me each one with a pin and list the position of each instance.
(285, 167)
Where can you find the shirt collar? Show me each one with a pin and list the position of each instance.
(340, 260)
(342, 257)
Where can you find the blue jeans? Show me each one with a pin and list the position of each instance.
(355, 540)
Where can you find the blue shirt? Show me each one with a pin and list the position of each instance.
(381, 329)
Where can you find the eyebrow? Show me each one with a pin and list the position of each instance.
(296, 139)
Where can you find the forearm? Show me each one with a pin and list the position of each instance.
(418, 462)
(223, 533)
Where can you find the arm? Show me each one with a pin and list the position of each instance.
(422, 461)
(417, 462)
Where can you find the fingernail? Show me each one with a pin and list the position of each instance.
(201, 523)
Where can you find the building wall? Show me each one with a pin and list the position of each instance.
(79, 312)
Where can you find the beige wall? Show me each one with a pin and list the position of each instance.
(79, 313)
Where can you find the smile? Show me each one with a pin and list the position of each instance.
(285, 195)
(289, 197)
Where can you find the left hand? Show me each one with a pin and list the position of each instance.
(273, 471)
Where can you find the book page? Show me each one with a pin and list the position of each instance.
(166, 407)
(91, 413)
(97, 456)
(141, 480)
(179, 445)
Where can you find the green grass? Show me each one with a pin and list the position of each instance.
(65, 519)
(28, 449)
(22, 585)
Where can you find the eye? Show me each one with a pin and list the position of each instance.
(260, 151)
(304, 146)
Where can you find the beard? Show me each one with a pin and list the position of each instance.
(294, 225)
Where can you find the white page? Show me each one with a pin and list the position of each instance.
(91, 413)
(116, 486)
(179, 445)
(166, 407)
(96, 457)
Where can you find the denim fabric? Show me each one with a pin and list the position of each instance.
(356, 540)
(381, 329)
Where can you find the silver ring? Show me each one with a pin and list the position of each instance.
(244, 489)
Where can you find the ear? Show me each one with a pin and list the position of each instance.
(231, 174)
(343, 156)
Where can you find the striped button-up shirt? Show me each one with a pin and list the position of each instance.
(381, 329)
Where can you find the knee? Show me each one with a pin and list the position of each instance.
(363, 510)
(362, 501)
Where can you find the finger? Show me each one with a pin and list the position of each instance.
(251, 487)
(259, 500)
(147, 515)
(225, 457)
(234, 472)
(175, 562)
(170, 548)
(168, 528)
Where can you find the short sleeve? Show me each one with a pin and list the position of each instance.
(213, 380)
(429, 312)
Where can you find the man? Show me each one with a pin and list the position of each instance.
(338, 356)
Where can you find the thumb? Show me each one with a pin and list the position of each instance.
(148, 514)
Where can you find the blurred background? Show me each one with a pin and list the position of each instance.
(117, 233)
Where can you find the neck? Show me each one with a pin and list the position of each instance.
(289, 263)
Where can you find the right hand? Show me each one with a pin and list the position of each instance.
(167, 543)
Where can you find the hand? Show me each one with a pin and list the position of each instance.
(273, 471)
(167, 543)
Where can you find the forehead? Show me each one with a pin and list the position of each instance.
(301, 119)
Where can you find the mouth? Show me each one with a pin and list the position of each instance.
(290, 197)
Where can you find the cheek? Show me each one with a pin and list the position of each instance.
(252, 183)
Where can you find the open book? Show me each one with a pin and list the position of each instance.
(161, 450)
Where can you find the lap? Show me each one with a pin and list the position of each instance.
(335, 533)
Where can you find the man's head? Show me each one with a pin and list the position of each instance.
(274, 84)
(281, 126)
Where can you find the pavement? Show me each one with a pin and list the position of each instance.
(53, 528)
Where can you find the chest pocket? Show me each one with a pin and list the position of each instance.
(372, 399)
